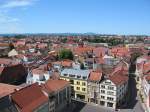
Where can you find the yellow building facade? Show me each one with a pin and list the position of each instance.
(78, 81)
(79, 87)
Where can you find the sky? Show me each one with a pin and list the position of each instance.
(75, 16)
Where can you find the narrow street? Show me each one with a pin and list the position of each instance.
(133, 99)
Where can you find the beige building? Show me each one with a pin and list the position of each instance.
(60, 92)
(94, 87)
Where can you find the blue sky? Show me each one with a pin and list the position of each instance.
(59, 16)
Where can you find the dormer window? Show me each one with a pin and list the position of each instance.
(107, 82)
(71, 75)
(78, 76)
(65, 74)
(84, 77)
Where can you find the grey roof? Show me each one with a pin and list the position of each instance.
(76, 72)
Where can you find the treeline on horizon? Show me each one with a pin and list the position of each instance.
(111, 40)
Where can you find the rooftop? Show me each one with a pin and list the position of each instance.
(38, 72)
(95, 76)
(55, 85)
(6, 89)
(119, 77)
(76, 73)
(29, 98)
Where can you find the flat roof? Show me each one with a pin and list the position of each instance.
(76, 72)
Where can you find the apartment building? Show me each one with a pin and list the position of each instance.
(78, 80)
(113, 89)
(108, 90)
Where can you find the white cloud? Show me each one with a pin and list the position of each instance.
(6, 19)
(17, 3)
(10, 24)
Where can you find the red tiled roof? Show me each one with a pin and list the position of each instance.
(29, 98)
(67, 63)
(121, 66)
(5, 61)
(146, 67)
(55, 85)
(80, 50)
(6, 89)
(42, 45)
(120, 51)
(4, 44)
(20, 42)
(119, 77)
(100, 51)
(64, 63)
(95, 76)
(99, 60)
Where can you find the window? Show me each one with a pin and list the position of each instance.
(72, 88)
(83, 84)
(103, 97)
(102, 91)
(84, 77)
(107, 82)
(102, 86)
(71, 75)
(110, 98)
(137, 78)
(83, 89)
(110, 88)
(78, 83)
(109, 104)
(78, 88)
(65, 74)
(102, 103)
(78, 76)
(71, 81)
(110, 93)
(96, 101)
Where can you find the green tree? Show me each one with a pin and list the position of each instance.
(65, 54)
(64, 40)
(19, 36)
